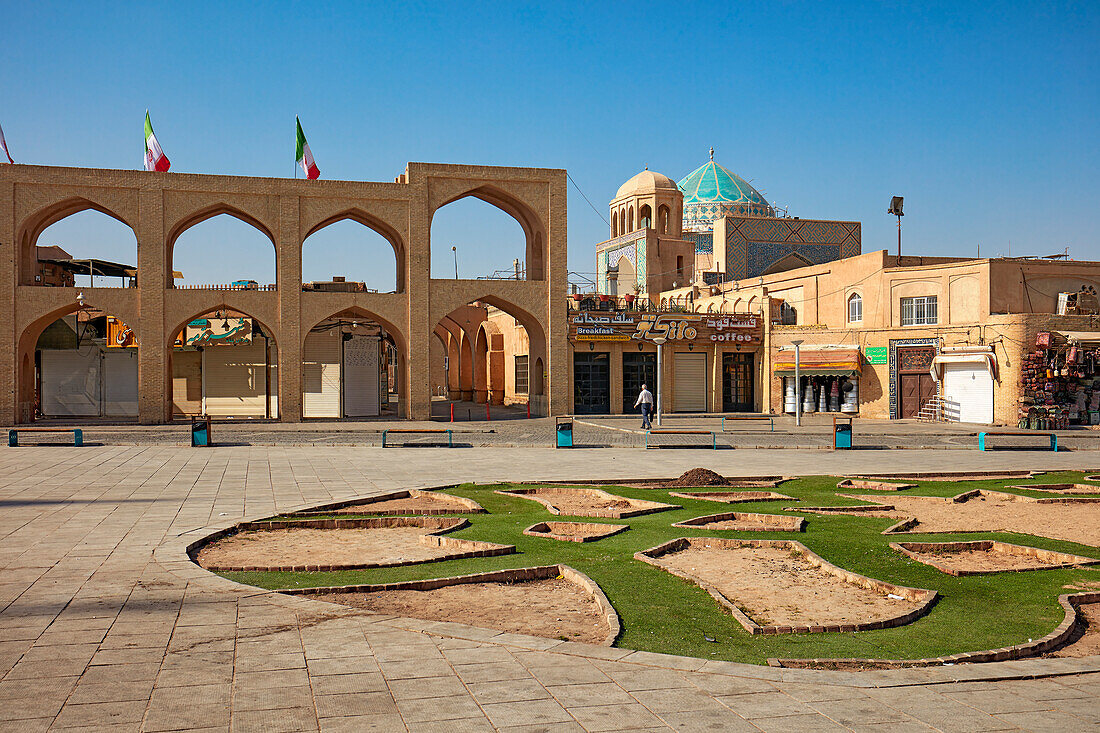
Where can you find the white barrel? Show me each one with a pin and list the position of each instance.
(808, 404)
(789, 404)
(851, 396)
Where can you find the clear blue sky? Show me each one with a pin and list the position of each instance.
(984, 116)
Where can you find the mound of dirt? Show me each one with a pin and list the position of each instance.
(700, 477)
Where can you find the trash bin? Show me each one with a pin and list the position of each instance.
(200, 431)
(842, 432)
(565, 434)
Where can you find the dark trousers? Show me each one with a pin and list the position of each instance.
(646, 410)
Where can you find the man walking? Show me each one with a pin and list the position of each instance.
(645, 401)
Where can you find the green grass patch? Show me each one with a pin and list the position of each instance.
(663, 613)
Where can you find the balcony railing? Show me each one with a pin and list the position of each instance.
(218, 286)
(622, 303)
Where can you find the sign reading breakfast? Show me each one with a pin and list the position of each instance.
(676, 328)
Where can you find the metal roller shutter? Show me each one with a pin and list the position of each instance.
(321, 374)
(71, 381)
(234, 382)
(690, 383)
(120, 383)
(968, 392)
(361, 376)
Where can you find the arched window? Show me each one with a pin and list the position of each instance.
(645, 217)
(788, 315)
(855, 308)
(680, 267)
(614, 224)
(630, 219)
(662, 219)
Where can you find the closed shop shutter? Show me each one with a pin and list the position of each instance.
(968, 392)
(234, 382)
(691, 383)
(71, 382)
(120, 383)
(361, 376)
(321, 374)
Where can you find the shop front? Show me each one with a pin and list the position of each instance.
(1060, 381)
(828, 379)
(708, 362)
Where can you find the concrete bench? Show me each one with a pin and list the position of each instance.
(13, 434)
(663, 431)
(983, 443)
(769, 418)
(419, 431)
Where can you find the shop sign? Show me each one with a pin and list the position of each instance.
(675, 327)
(875, 354)
(219, 332)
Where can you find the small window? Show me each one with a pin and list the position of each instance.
(522, 374)
(919, 311)
(855, 308)
(788, 315)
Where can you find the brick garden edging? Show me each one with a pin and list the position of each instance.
(865, 485)
(546, 531)
(946, 475)
(926, 598)
(518, 575)
(732, 497)
(1056, 559)
(1059, 488)
(472, 507)
(767, 522)
(1069, 603)
(639, 506)
(440, 525)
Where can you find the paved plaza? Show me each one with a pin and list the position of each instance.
(105, 624)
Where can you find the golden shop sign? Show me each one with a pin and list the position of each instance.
(674, 327)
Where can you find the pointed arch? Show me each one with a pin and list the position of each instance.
(36, 223)
(205, 214)
(378, 226)
(614, 224)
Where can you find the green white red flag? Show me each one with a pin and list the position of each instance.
(303, 155)
(155, 159)
(4, 145)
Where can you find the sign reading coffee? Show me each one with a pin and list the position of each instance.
(674, 327)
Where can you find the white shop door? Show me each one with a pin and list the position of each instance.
(690, 383)
(968, 392)
(321, 374)
(234, 383)
(70, 382)
(120, 383)
(361, 376)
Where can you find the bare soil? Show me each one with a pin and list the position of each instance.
(574, 531)
(554, 608)
(420, 504)
(699, 477)
(1088, 643)
(984, 560)
(999, 512)
(774, 586)
(308, 546)
(581, 502)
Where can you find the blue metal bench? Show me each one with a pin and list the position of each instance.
(450, 436)
(983, 444)
(13, 434)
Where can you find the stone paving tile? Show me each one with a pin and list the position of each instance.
(894, 726)
(615, 717)
(997, 701)
(420, 687)
(856, 710)
(410, 669)
(939, 711)
(631, 677)
(507, 691)
(438, 708)
(363, 724)
(598, 693)
(354, 703)
(491, 672)
(797, 724)
(100, 713)
(1052, 721)
(718, 684)
(809, 692)
(568, 672)
(527, 712)
(267, 662)
(118, 691)
(23, 708)
(332, 684)
(478, 655)
(342, 665)
(676, 700)
(289, 720)
(1087, 709)
(551, 728)
(764, 705)
(718, 719)
(461, 725)
(271, 698)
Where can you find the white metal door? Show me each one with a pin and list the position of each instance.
(361, 376)
(321, 374)
(690, 383)
(234, 383)
(70, 382)
(968, 392)
(120, 383)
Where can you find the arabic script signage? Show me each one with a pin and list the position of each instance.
(219, 332)
(674, 327)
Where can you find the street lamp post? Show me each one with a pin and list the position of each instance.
(797, 383)
(455, 250)
(660, 341)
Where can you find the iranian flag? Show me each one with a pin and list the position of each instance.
(155, 159)
(303, 155)
(4, 145)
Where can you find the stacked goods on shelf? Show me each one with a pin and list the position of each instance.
(1059, 385)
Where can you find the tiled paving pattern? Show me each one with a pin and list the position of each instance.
(105, 625)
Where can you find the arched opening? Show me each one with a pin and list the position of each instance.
(77, 362)
(645, 217)
(476, 236)
(630, 219)
(855, 308)
(224, 363)
(538, 378)
(662, 218)
(86, 248)
(353, 366)
(352, 253)
(222, 251)
(628, 277)
(680, 269)
(614, 224)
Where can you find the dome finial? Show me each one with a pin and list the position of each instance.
(647, 167)
(712, 152)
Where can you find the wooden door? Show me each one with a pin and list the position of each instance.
(916, 390)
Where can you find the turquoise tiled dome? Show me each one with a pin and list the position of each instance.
(711, 191)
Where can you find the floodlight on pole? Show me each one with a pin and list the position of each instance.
(455, 250)
(797, 383)
(895, 209)
(660, 341)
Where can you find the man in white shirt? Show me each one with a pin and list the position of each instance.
(645, 401)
